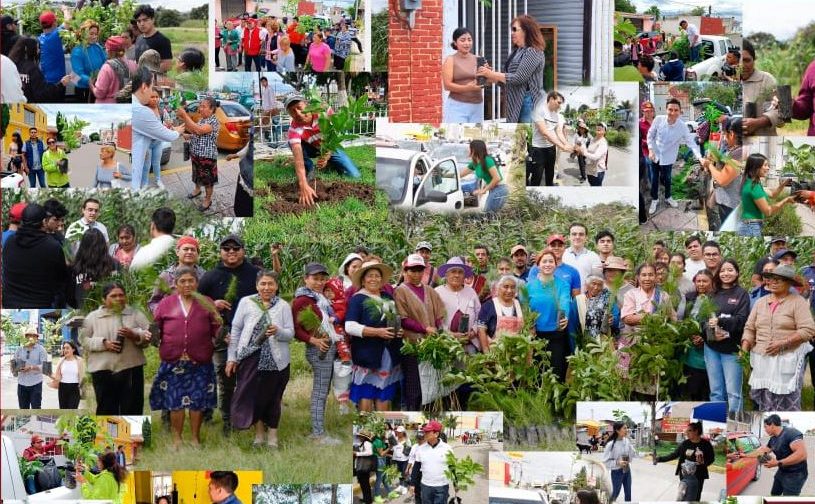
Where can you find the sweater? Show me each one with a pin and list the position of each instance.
(191, 334)
(733, 309)
(366, 351)
(248, 315)
(615, 450)
(791, 316)
(34, 271)
(103, 486)
(102, 324)
(804, 105)
(85, 60)
(417, 313)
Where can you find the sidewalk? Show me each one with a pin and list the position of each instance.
(8, 386)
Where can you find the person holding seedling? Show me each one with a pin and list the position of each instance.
(550, 296)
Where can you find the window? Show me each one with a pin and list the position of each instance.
(29, 116)
(113, 429)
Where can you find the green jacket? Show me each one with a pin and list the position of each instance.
(49, 163)
(102, 486)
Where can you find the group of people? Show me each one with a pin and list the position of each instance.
(281, 45)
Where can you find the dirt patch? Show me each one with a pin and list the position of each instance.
(286, 196)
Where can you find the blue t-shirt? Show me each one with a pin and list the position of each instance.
(568, 274)
(52, 56)
(546, 299)
(8, 233)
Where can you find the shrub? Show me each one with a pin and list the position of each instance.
(617, 138)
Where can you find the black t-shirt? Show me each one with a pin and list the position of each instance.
(780, 445)
(158, 42)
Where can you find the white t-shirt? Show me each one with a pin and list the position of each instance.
(692, 267)
(586, 263)
(552, 120)
(434, 463)
(70, 371)
(11, 87)
(399, 452)
(693, 35)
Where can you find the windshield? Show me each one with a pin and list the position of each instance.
(391, 177)
(234, 110)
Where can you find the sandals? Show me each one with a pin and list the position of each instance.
(202, 208)
(193, 195)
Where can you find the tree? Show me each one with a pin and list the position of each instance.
(762, 40)
(94, 137)
(698, 11)
(654, 11)
(147, 432)
(200, 12)
(624, 6)
(61, 124)
(379, 41)
(5, 119)
(168, 17)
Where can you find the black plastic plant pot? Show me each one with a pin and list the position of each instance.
(784, 94)
(750, 110)
(710, 334)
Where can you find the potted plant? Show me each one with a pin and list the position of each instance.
(29, 470)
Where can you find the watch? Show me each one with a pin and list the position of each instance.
(780, 463)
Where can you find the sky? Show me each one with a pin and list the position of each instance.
(579, 197)
(544, 466)
(100, 116)
(720, 7)
(782, 23)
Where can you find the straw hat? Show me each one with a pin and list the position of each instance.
(384, 269)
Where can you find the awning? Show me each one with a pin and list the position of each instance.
(711, 411)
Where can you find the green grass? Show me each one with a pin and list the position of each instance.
(194, 23)
(364, 156)
(185, 36)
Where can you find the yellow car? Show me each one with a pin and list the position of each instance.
(235, 121)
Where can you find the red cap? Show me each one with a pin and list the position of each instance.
(47, 19)
(555, 237)
(35, 439)
(15, 213)
(186, 240)
(432, 426)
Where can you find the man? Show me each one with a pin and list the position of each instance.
(667, 133)
(790, 457)
(712, 256)
(28, 363)
(425, 249)
(520, 262)
(547, 136)
(53, 164)
(695, 261)
(151, 38)
(777, 243)
(645, 66)
(672, 70)
(35, 274)
(414, 469)
(785, 257)
(8, 34)
(222, 486)
(568, 273)
(481, 271)
(298, 42)
(304, 142)
(731, 64)
(216, 284)
(694, 40)
(585, 261)
(55, 213)
(34, 149)
(90, 213)
(271, 108)
(40, 448)
(121, 458)
(433, 457)
(162, 224)
(146, 126)
(251, 42)
(15, 217)
(52, 52)
(604, 243)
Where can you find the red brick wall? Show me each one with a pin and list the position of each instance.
(414, 65)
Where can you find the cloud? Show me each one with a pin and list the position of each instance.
(99, 116)
(783, 23)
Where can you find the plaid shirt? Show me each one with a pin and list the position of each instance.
(204, 145)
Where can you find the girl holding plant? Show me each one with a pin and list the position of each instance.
(188, 324)
(87, 58)
(725, 168)
(755, 205)
(699, 301)
(69, 376)
(550, 297)
(262, 329)
(109, 484)
(114, 337)
(371, 322)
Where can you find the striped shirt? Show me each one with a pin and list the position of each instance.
(524, 75)
(308, 133)
(204, 145)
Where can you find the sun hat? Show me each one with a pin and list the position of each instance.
(413, 261)
(784, 272)
(384, 269)
(615, 263)
(455, 262)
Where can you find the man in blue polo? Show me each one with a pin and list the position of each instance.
(52, 52)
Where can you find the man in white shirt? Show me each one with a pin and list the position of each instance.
(694, 39)
(695, 260)
(11, 86)
(667, 133)
(161, 231)
(90, 213)
(604, 243)
(433, 456)
(585, 261)
(547, 136)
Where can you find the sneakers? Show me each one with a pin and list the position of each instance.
(653, 208)
(671, 202)
(159, 184)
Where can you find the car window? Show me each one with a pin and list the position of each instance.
(707, 49)
(192, 107)
(442, 178)
(234, 110)
(391, 177)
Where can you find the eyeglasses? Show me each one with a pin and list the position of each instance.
(516, 29)
(231, 249)
(51, 143)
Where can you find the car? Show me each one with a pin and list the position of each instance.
(713, 51)
(624, 120)
(235, 121)
(741, 471)
(11, 180)
(503, 495)
(166, 152)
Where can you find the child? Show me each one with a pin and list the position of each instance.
(334, 292)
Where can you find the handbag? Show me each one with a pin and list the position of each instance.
(365, 464)
(47, 368)
(15, 367)
(186, 151)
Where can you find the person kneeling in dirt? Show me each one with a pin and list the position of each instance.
(304, 142)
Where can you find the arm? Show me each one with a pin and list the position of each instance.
(494, 179)
(192, 126)
(748, 338)
(690, 142)
(307, 193)
(527, 67)
(78, 65)
(87, 338)
(738, 317)
(147, 124)
(673, 455)
(552, 136)
(103, 85)
(598, 153)
(447, 79)
(285, 330)
(799, 453)
(802, 106)
(651, 139)
(767, 209)
(49, 162)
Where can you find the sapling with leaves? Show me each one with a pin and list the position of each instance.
(313, 323)
(462, 472)
(384, 310)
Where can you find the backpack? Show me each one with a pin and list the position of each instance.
(123, 95)
(48, 477)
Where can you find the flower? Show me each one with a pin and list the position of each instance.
(163, 385)
(186, 401)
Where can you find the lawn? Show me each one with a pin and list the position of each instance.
(187, 36)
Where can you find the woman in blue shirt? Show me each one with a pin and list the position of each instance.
(87, 58)
(549, 297)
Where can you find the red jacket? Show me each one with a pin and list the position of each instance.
(251, 41)
(192, 334)
(295, 37)
(31, 453)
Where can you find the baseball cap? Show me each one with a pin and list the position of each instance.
(314, 268)
(414, 260)
(292, 99)
(401, 428)
(15, 213)
(781, 253)
(432, 426)
(555, 237)
(776, 239)
(7, 20)
(232, 238)
(47, 19)
(423, 245)
(518, 248)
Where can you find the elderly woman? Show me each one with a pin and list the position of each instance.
(777, 335)
(375, 345)
(757, 85)
(501, 314)
(114, 337)
(109, 171)
(187, 250)
(349, 266)
(461, 303)
(549, 297)
(595, 308)
(114, 74)
(126, 245)
(87, 58)
(262, 329)
(203, 149)
(422, 312)
(186, 376)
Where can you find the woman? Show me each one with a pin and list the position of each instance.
(349, 266)
(382, 450)
(114, 74)
(777, 335)
(401, 451)
(342, 47)
(69, 375)
(56, 170)
(152, 162)
(617, 457)
(755, 205)
(187, 250)
(549, 297)
(595, 309)
(696, 449)
(581, 140)
(727, 177)
(461, 303)
(262, 329)
(596, 155)
(375, 345)
(231, 41)
(757, 85)
(364, 464)
(26, 56)
(126, 245)
(87, 58)
(17, 161)
(721, 354)
(109, 484)
(203, 149)
(270, 44)
(501, 314)
(114, 337)
(217, 46)
(523, 70)
(587, 496)
(422, 313)
(185, 379)
(465, 101)
(697, 387)
(319, 54)
(284, 55)
(92, 264)
(110, 171)
(191, 59)
(485, 168)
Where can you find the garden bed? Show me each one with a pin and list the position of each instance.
(285, 197)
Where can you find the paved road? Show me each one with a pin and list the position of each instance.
(659, 483)
(8, 389)
(82, 164)
(622, 169)
(765, 481)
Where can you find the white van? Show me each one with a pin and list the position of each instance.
(503, 495)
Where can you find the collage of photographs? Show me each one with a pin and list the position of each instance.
(407, 251)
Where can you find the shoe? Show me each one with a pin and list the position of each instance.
(193, 195)
(159, 184)
(202, 208)
(671, 202)
(653, 208)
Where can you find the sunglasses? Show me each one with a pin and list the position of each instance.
(51, 143)
(516, 29)
(231, 249)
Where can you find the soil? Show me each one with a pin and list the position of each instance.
(286, 196)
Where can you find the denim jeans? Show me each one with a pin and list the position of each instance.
(526, 110)
(152, 162)
(597, 180)
(694, 52)
(660, 172)
(790, 484)
(381, 464)
(620, 479)
(339, 160)
(461, 112)
(34, 176)
(497, 198)
(435, 495)
(30, 397)
(725, 376)
(750, 228)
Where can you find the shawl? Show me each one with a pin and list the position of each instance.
(410, 306)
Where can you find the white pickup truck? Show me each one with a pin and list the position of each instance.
(715, 47)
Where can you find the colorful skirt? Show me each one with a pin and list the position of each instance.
(204, 171)
(184, 385)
